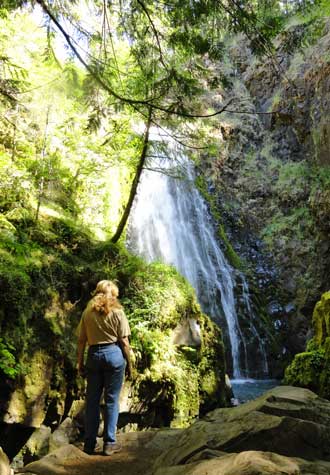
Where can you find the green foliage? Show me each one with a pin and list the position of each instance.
(42, 273)
(161, 294)
(293, 174)
(291, 225)
(321, 178)
(305, 370)
(51, 162)
(311, 368)
(269, 19)
(292, 218)
(8, 362)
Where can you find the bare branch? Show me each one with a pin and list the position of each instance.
(165, 172)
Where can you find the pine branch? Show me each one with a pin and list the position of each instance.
(126, 100)
(144, 8)
(106, 87)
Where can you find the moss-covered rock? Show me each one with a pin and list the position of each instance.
(47, 276)
(305, 370)
(311, 369)
(173, 378)
(27, 403)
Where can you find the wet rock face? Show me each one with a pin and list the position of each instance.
(294, 84)
(291, 422)
(271, 179)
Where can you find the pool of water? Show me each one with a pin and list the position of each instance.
(248, 389)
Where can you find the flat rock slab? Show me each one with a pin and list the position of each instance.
(290, 421)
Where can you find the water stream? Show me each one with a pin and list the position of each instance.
(170, 222)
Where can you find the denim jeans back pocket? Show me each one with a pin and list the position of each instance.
(93, 360)
(113, 357)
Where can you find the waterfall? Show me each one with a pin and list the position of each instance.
(170, 222)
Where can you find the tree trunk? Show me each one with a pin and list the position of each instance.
(135, 182)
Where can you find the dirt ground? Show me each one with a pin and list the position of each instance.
(139, 451)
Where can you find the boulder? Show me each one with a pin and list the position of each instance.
(56, 461)
(66, 433)
(38, 443)
(77, 412)
(290, 421)
(4, 464)
(187, 333)
(36, 447)
(27, 404)
(310, 369)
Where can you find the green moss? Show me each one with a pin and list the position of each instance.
(173, 377)
(305, 369)
(211, 366)
(321, 319)
(27, 403)
(157, 293)
(311, 369)
(181, 383)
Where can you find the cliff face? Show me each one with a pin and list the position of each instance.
(271, 178)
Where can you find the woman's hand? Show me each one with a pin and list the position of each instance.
(82, 340)
(129, 372)
(127, 352)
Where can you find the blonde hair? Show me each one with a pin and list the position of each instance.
(105, 297)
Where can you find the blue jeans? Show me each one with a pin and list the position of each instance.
(105, 370)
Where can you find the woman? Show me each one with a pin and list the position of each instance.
(105, 328)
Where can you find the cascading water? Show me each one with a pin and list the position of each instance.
(170, 222)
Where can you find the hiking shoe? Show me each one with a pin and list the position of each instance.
(111, 448)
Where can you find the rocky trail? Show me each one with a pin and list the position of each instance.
(283, 432)
(136, 457)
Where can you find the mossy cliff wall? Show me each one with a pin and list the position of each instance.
(311, 369)
(47, 274)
